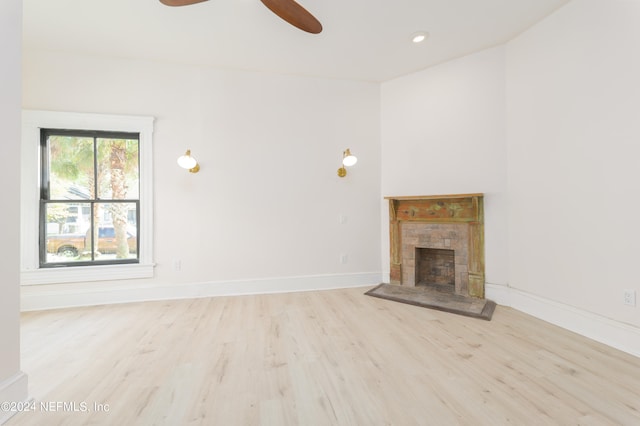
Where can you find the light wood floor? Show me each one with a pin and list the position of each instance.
(319, 358)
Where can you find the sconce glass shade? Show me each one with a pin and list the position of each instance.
(349, 159)
(186, 161)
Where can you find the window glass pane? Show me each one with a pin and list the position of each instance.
(117, 169)
(70, 167)
(117, 235)
(65, 232)
(91, 197)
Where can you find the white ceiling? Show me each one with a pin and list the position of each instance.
(362, 39)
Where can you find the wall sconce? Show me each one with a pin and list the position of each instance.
(186, 161)
(348, 160)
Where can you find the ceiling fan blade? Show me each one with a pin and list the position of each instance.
(180, 2)
(294, 14)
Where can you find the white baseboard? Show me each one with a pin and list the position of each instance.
(42, 297)
(13, 390)
(616, 334)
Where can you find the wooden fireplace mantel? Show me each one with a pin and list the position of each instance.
(465, 209)
(433, 197)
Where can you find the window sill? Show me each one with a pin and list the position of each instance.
(86, 274)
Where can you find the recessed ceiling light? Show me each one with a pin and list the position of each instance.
(419, 37)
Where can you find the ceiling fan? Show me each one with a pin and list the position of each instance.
(288, 10)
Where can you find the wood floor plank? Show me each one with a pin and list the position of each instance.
(318, 358)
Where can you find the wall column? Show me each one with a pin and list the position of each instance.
(13, 382)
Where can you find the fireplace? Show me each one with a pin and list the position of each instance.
(438, 242)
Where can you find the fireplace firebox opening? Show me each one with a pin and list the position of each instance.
(435, 268)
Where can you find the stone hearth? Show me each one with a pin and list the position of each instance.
(452, 226)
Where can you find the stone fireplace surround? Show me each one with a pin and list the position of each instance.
(435, 236)
(445, 222)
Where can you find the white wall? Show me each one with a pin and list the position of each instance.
(267, 201)
(443, 132)
(574, 157)
(13, 383)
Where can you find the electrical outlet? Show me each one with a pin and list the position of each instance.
(630, 297)
(344, 258)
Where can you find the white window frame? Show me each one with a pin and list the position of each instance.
(32, 122)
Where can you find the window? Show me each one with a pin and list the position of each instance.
(89, 198)
(71, 186)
